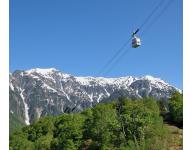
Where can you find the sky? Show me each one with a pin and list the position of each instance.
(79, 37)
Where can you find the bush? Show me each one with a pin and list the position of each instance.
(176, 108)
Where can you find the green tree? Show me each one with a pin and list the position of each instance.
(41, 128)
(70, 145)
(87, 125)
(104, 125)
(163, 105)
(18, 141)
(43, 143)
(176, 108)
(137, 118)
(122, 124)
(68, 127)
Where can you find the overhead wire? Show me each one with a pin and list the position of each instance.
(151, 24)
(151, 14)
(123, 52)
(118, 60)
(110, 61)
(114, 56)
(157, 17)
(115, 59)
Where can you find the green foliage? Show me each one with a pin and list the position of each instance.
(123, 125)
(70, 145)
(176, 108)
(68, 131)
(41, 128)
(163, 105)
(103, 125)
(18, 141)
(43, 143)
(14, 123)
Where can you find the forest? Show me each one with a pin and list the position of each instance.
(123, 124)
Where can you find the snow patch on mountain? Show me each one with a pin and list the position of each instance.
(91, 97)
(44, 85)
(108, 94)
(26, 108)
(155, 81)
(59, 92)
(41, 71)
(11, 86)
(39, 112)
(99, 97)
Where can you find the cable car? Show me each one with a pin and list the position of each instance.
(136, 42)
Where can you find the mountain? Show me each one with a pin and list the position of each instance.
(42, 92)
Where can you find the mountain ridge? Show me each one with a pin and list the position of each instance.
(41, 92)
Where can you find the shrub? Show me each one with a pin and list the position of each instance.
(176, 108)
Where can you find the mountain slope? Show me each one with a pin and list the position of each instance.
(41, 92)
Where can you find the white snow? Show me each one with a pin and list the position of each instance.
(157, 82)
(108, 94)
(59, 80)
(64, 75)
(62, 107)
(41, 71)
(83, 80)
(45, 73)
(122, 81)
(62, 89)
(153, 79)
(67, 96)
(35, 77)
(51, 101)
(99, 97)
(39, 112)
(48, 87)
(26, 108)
(91, 97)
(11, 86)
(150, 89)
(138, 94)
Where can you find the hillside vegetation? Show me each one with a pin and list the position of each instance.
(120, 125)
(14, 123)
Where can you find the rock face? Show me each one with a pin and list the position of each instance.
(41, 92)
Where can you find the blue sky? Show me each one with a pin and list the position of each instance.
(79, 37)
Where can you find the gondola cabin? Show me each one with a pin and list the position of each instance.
(136, 42)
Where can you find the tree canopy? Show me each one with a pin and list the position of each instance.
(121, 124)
(176, 108)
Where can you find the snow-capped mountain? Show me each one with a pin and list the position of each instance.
(40, 92)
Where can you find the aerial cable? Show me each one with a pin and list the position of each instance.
(151, 14)
(127, 50)
(118, 60)
(157, 17)
(114, 56)
(121, 50)
(125, 44)
(149, 26)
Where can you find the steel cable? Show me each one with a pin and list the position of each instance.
(116, 58)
